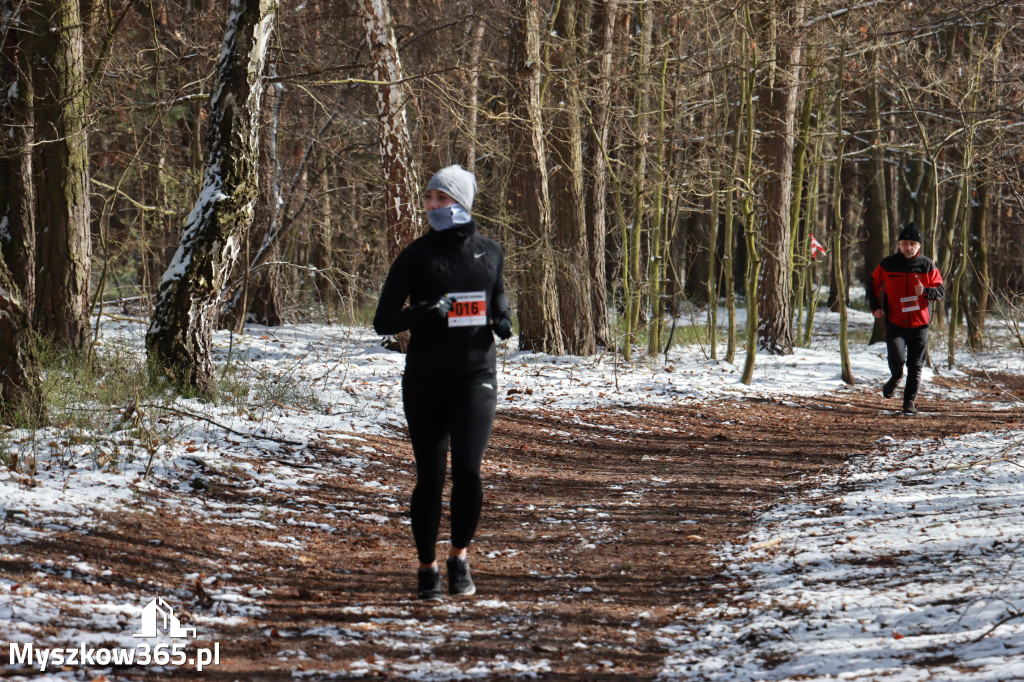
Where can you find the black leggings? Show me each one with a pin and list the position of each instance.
(458, 409)
(909, 347)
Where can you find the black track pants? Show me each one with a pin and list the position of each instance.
(907, 347)
(458, 410)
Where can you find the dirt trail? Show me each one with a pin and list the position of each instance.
(599, 528)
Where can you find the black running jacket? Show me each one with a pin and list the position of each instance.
(463, 265)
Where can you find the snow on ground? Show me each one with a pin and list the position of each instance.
(908, 569)
(914, 562)
(311, 382)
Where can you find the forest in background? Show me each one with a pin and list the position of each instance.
(632, 156)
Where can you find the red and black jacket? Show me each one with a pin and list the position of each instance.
(892, 289)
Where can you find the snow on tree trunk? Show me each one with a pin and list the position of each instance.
(180, 333)
(401, 186)
(64, 249)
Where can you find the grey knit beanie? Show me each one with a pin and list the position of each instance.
(456, 182)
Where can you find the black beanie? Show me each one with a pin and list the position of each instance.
(910, 233)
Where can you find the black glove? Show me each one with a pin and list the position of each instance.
(502, 327)
(427, 309)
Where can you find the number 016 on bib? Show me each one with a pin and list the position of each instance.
(469, 309)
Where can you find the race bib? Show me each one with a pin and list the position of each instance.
(469, 309)
(910, 303)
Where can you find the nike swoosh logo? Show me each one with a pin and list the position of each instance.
(477, 255)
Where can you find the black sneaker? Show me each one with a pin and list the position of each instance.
(429, 580)
(460, 582)
(909, 408)
(890, 387)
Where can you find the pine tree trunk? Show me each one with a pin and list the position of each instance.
(799, 243)
(265, 293)
(846, 370)
(658, 247)
(475, 58)
(753, 261)
(696, 239)
(951, 203)
(642, 115)
(401, 185)
(63, 249)
(713, 270)
(17, 190)
(531, 204)
(328, 286)
(850, 177)
(959, 250)
(963, 212)
(808, 294)
(738, 115)
(876, 212)
(978, 254)
(572, 274)
(179, 339)
(603, 37)
(778, 94)
(21, 400)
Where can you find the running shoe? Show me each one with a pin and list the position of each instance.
(429, 580)
(909, 408)
(890, 387)
(460, 582)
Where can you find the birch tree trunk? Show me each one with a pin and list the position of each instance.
(401, 185)
(180, 334)
(258, 296)
(531, 203)
(777, 104)
(63, 249)
(17, 191)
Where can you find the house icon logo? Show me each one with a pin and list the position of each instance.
(158, 614)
